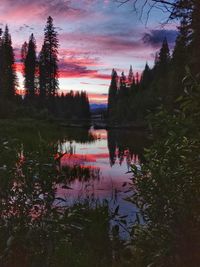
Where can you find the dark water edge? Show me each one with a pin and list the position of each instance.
(38, 227)
(69, 197)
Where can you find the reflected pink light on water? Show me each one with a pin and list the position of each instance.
(105, 188)
(79, 159)
(95, 155)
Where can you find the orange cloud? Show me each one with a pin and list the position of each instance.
(98, 98)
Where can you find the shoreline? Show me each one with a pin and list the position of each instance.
(84, 124)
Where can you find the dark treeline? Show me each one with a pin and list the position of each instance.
(41, 96)
(132, 98)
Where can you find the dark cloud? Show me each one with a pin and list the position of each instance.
(37, 9)
(74, 70)
(156, 37)
(61, 7)
(104, 43)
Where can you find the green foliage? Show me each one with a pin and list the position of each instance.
(162, 84)
(37, 227)
(130, 100)
(167, 188)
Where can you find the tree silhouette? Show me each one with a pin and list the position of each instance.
(163, 58)
(8, 78)
(146, 77)
(131, 78)
(30, 64)
(50, 57)
(43, 72)
(1, 61)
(112, 94)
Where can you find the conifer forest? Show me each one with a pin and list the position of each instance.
(100, 133)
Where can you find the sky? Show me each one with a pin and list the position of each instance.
(95, 36)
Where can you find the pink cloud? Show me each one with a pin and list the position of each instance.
(74, 67)
(23, 10)
(101, 84)
(103, 42)
(98, 98)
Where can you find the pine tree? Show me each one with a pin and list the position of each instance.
(180, 55)
(146, 77)
(8, 79)
(24, 51)
(85, 105)
(131, 78)
(195, 38)
(112, 94)
(137, 78)
(1, 62)
(30, 64)
(43, 72)
(164, 58)
(122, 81)
(180, 59)
(51, 58)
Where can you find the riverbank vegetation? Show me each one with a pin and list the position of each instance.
(39, 227)
(38, 224)
(166, 189)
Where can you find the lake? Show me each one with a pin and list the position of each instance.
(108, 156)
(67, 194)
(64, 191)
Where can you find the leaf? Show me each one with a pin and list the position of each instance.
(116, 210)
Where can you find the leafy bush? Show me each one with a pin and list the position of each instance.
(168, 187)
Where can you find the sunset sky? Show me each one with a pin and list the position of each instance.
(95, 36)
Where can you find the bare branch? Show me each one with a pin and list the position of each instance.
(175, 8)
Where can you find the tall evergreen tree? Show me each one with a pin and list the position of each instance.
(137, 79)
(180, 56)
(8, 78)
(1, 62)
(195, 38)
(24, 51)
(85, 106)
(30, 64)
(146, 77)
(131, 78)
(43, 72)
(164, 58)
(49, 58)
(112, 94)
(122, 81)
(180, 59)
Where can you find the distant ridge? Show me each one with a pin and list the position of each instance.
(94, 107)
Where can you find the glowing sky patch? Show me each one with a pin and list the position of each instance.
(95, 36)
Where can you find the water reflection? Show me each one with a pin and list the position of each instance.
(57, 194)
(105, 163)
(125, 145)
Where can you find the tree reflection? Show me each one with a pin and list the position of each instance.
(126, 145)
(34, 231)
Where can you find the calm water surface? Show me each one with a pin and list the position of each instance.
(53, 189)
(108, 157)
